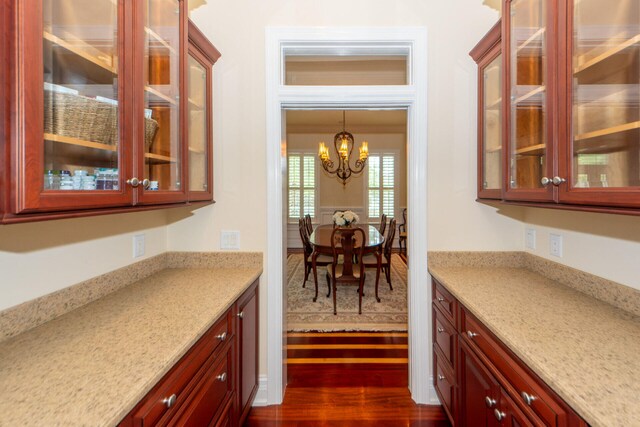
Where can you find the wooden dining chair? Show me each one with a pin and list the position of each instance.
(343, 269)
(383, 224)
(309, 224)
(382, 260)
(321, 260)
(402, 232)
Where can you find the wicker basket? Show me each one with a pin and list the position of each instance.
(77, 116)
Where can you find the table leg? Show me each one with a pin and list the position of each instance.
(314, 256)
(379, 258)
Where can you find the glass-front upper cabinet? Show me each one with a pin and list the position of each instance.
(528, 25)
(163, 67)
(71, 103)
(487, 54)
(602, 159)
(202, 56)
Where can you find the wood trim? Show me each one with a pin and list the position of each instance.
(339, 360)
(487, 43)
(587, 207)
(202, 43)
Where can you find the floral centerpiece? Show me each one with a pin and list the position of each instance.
(345, 218)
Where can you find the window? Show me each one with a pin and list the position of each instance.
(302, 185)
(381, 185)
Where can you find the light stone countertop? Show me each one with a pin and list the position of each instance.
(584, 349)
(91, 366)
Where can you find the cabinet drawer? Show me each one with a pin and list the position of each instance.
(214, 389)
(172, 390)
(445, 301)
(444, 338)
(444, 383)
(528, 391)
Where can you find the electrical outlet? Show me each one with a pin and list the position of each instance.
(138, 245)
(555, 245)
(230, 240)
(530, 238)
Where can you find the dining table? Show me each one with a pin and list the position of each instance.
(321, 241)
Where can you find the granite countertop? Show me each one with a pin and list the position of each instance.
(92, 365)
(586, 350)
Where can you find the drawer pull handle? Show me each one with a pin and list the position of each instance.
(440, 299)
(472, 334)
(440, 330)
(222, 377)
(528, 398)
(169, 401)
(241, 314)
(440, 377)
(222, 336)
(490, 402)
(499, 414)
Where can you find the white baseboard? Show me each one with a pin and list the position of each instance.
(432, 393)
(261, 395)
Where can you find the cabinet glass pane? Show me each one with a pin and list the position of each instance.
(198, 126)
(528, 92)
(80, 58)
(492, 125)
(161, 94)
(606, 95)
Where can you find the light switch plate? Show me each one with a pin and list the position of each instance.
(138, 245)
(555, 245)
(530, 238)
(230, 239)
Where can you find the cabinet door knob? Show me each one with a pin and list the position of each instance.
(528, 398)
(557, 180)
(499, 414)
(169, 401)
(134, 182)
(440, 377)
(490, 402)
(471, 334)
(440, 330)
(222, 336)
(241, 314)
(146, 183)
(545, 181)
(440, 299)
(222, 377)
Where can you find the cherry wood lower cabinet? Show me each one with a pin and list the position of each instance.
(215, 382)
(480, 382)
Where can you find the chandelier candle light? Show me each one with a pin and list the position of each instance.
(343, 143)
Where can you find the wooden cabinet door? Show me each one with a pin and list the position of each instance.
(528, 35)
(71, 108)
(509, 415)
(479, 391)
(599, 130)
(247, 350)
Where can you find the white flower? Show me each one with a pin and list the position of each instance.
(340, 221)
(349, 216)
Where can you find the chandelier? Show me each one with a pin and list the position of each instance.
(343, 143)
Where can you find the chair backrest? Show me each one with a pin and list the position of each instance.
(383, 223)
(309, 224)
(403, 226)
(306, 243)
(388, 244)
(343, 242)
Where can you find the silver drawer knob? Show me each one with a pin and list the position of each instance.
(557, 180)
(528, 398)
(241, 314)
(440, 377)
(222, 377)
(222, 336)
(471, 334)
(440, 299)
(440, 330)
(490, 402)
(134, 182)
(169, 401)
(545, 181)
(499, 414)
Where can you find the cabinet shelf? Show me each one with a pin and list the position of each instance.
(608, 131)
(155, 36)
(536, 35)
(619, 49)
(495, 105)
(493, 149)
(532, 95)
(79, 142)
(197, 150)
(161, 96)
(83, 50)
(156, 159)
(534, 150)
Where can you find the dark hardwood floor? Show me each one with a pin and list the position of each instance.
(347, 380)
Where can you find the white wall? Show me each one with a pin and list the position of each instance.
(43, 257)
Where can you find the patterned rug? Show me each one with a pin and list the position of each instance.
(390, 314)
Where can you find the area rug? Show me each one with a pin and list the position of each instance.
(390, 314)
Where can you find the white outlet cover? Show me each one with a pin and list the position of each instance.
(530, 238)
(138, 245)
(230, 240)
(555, 245)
